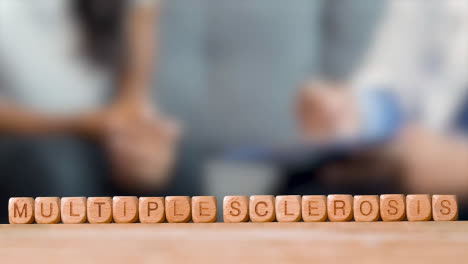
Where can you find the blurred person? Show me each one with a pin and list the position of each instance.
(73, 70)
(410, 94)
(229, 69)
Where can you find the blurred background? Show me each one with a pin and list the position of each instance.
(222, 97)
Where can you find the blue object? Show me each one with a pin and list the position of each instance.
(382, 113)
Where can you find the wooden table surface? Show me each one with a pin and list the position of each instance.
(378, 242)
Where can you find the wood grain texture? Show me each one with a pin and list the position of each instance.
(178, 209)
(419, 207)
(236, 209)
(21, 210)
(444, 207)
(366, 208)
(288, 208)
(340, 207)
(348, 242)
(47, 210)
(151, 210)
(204, 209)
(314, 208)
(392, 207)
(262, 208)
(73, 210)
(99, 210)
(125, 209)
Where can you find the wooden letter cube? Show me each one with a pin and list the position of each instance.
(262, 208)
(392, 207)
(288, 208)
(178, 209)
(99, 210)
(73, 210)
(314, 208)
(21, 210)
(47, 210)
(204, 209)
(444, 207)
(419, 207)
(366, 208)
(236, 209)
(151, 210)
(340, 208)
(125, 209)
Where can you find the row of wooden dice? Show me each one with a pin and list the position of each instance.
(257, 208)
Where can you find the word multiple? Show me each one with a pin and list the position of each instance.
(236, 209)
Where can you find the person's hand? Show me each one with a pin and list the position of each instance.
(141, 144)
(326, 111)
(432, 162)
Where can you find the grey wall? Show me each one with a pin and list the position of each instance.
(230, 69)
